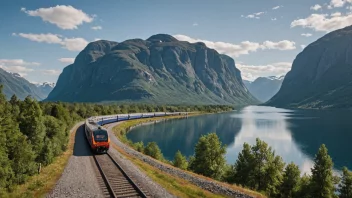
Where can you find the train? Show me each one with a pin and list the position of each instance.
(98, 137)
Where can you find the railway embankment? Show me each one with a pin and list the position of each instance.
(197, 180)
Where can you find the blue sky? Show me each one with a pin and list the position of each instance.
(40, 38)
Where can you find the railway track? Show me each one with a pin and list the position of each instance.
(117, 182)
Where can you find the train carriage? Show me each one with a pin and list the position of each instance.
(97, 137)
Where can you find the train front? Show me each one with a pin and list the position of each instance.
(101, 141)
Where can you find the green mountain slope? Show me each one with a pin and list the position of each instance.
(321, 75)
(15, 84)
(160, 69)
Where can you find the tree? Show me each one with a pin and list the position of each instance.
(304, 190)
(209, 159)
(153, 151)
(290, 182)
(322, 178)
(244, 166)
(139, 146)
(345, 187)
(273, 175)
(180, 161)
(31, 123)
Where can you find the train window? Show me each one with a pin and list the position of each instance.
(100, 136)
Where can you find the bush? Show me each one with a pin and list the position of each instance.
(153, 151)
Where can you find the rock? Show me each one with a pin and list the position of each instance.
(160, 69)
(321, 75)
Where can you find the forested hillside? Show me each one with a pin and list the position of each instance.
(33, 133)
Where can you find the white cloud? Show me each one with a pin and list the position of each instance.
(307, 34)
(281, 45)
(251, 72)
(254, 15)
(51, 72)
(17, 66)
(72, 44)
(276, 7)
(23, 71)
(316, 7)
(303, 46)
(258, 13)
(65, 17)
(46, 38)
(11, 62)
(336, 3)
(195, 24)
(67, 60)
(336, 14)
(324, 23)
(244, 47)
(96, 27)
(273, 19)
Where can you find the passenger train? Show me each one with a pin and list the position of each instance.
(98, 137)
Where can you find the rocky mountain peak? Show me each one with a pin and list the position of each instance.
(162, 38)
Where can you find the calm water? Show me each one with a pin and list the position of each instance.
(295, 135)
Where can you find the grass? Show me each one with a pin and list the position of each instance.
(40, 185)
(174, 185)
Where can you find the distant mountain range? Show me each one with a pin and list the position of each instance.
(14, 84)
(45, 87)
(263, 88)
(160, 69)
(321, 75)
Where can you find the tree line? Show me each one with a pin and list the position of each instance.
(259, 168)
(33, 133)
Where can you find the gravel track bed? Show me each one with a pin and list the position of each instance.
(202, 183)
(79, 178)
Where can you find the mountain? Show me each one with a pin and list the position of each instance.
(14, 84)
(321, 75)
(45, 87)
(263, 88)
(160, 69)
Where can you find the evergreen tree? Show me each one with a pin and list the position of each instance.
(153, 151)
(345, 187)
(209, 159)
(304, 190)
(180, 161)
(244, 166)
(322, 178)
(290, 182)
(261, 153)
(31, 123)
(273, 175)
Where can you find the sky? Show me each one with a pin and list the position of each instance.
(39, 38)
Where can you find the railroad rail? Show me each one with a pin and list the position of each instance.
(118, 183)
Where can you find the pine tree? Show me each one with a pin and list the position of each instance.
(209, 158)
(244, 166)
(180, 161)
(273, 175)
(322, 178)
(31, 123)
(304, 189)
(345, 187)
(291, 180)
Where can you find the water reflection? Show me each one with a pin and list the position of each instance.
(269, 124)
(294, 135)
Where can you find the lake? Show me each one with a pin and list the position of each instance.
(295, 135)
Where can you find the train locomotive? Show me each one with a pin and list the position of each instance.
(98, 137)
